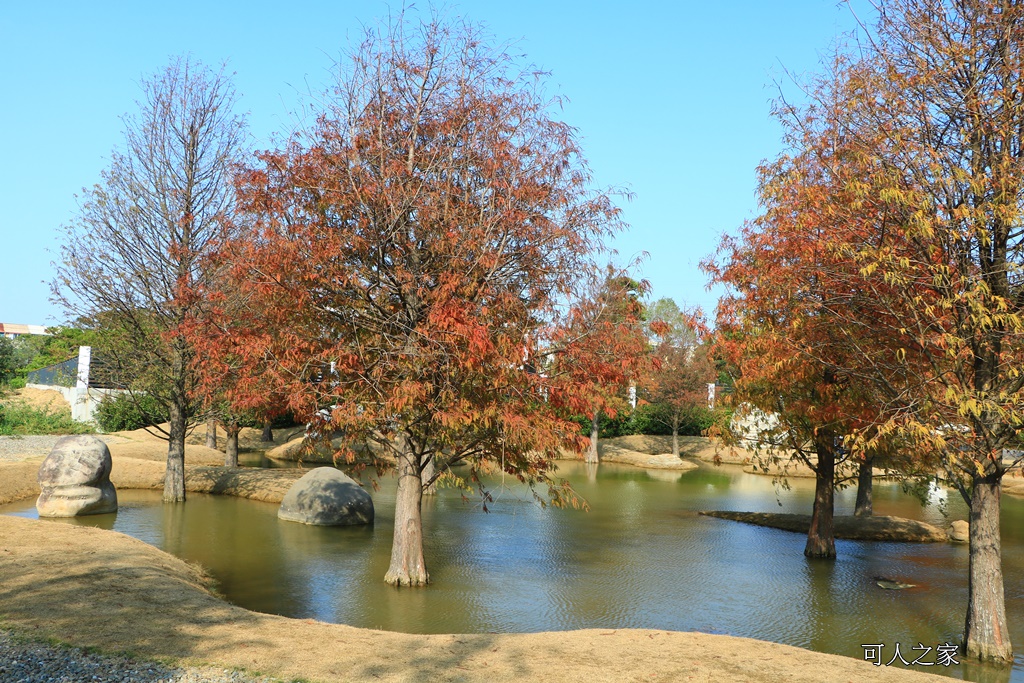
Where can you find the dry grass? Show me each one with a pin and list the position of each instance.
(42, 399)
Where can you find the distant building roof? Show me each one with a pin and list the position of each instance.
(13, 330)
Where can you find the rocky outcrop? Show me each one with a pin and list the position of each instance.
(960, 531)
(74, 479)
(326, 497)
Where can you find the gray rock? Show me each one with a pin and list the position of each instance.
(25, 661)
(960, 531)
(892, 584)
(74, 479)
(327, 497)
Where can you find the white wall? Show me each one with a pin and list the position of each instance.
(753, 426)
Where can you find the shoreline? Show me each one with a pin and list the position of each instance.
(60, 581)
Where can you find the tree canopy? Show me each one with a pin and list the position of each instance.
(416, 267)
(904, 193)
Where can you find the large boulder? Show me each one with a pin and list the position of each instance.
(960, 531)
(74, 479)
(327, 497)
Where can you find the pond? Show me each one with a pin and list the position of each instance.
(640, 557)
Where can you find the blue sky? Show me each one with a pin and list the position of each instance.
(671, 99)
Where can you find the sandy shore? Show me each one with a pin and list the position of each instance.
(100, 589)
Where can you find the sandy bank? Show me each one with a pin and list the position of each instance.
(654, 461)
(695, 447)
(648, 452)
(18, 479)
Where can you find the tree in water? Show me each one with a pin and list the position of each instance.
(765, 329)
(782, 324)
(938, 88)
(415, 260)
(924, 189)
(611, 352)
(864, 506)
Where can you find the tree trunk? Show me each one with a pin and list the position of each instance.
(407, 565)
(268, 433)
(594, 426)
(174, 477)
(675, 435)
(211, 433)
(231, 447)
(863, 508)
(428, 473)
(821, 538)
(986, 636)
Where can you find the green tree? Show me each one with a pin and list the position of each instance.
(8, 360)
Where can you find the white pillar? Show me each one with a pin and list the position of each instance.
(84, 360)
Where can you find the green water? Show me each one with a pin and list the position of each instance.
(641, 557)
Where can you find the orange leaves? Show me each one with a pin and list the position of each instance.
(602, 347)
(785, 323)
(411, 257)
(879, 284)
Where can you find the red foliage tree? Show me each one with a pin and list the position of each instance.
(785, 323)
(416, 262)
(604, 348)
(684, 367)
(918, 215)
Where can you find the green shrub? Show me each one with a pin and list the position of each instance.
(18, 418)
(652, 419)
(649, 418)
(251, 419)
(125, 412)
(8, 360)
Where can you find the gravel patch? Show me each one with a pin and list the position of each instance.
(22, 661)
(14, 448)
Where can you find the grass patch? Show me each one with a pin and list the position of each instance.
(16, 418)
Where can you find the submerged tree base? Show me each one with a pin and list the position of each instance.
(399, 580)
